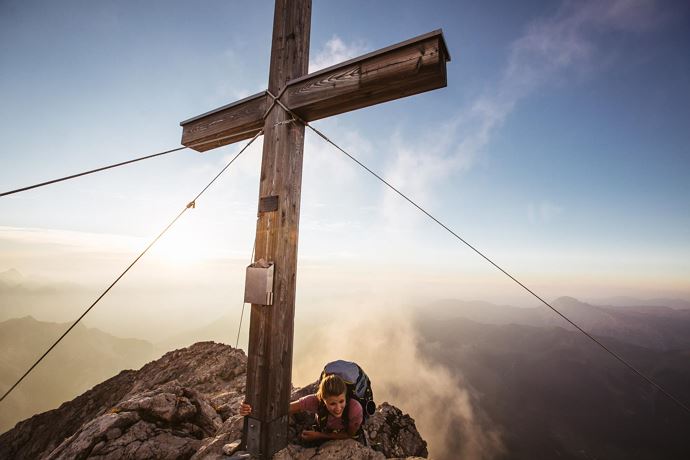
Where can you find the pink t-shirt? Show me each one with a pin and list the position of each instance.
(354, 412)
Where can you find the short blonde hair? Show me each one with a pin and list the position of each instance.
(331, 385)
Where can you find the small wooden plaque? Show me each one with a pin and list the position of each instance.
(268, 203)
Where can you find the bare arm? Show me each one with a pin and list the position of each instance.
(294, 407)
(246, 409)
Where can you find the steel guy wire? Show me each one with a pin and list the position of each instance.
(444, 226)
(115, 165)
(191, 204)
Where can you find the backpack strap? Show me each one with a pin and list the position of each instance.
(321, 417)
(346, 412)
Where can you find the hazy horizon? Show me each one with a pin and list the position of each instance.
(534, 153)
(559, 149)
(170, 302)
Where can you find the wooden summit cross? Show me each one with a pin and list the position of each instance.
(408, 68)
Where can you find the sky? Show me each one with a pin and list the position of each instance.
(560, 148)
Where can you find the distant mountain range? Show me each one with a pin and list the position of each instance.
(552, 392)
(657, 327)
(621, 301)
(11, 277)
(21, 297)
(548, 389)
(84, 358)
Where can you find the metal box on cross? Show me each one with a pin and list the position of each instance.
(258, 287)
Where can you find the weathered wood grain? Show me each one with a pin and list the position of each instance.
(398, 71)
(269, 366)
(411, 67)
(232, 123)
(407, 68)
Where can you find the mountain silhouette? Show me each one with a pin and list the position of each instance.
(85, 357)
(552, 393)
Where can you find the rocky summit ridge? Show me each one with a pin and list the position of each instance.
(184, 406)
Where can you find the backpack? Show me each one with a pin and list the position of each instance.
(358, 387)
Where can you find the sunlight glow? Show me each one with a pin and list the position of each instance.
(182, 246)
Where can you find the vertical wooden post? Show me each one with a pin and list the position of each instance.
(269, 370)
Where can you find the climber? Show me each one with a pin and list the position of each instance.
(337, 416)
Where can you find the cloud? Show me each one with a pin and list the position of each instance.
(567, 42)
(419, 166)
(335, 51)
(551, 50)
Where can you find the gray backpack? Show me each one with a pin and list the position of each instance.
(358, 384)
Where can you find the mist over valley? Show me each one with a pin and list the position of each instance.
(485, 380)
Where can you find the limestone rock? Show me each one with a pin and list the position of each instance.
(184, 406)
(167, 422)
(171, 395)
(231, 448)
(30, 438)
(394, 433)
(212, 448)
(345, 449)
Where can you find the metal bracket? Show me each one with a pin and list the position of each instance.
(276, 432)
(253, 436)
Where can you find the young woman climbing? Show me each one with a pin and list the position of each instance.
(337, 416)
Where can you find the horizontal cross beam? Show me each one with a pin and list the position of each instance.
(411, 67)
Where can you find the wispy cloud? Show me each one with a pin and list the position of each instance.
(551, 50)
(334, 51)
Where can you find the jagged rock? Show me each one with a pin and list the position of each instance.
(394, 433)
(233, 447)
(212, 448)
(197, 373)
(94, 433)
(30, 438)
(167, 422)
(141, 440)
(346, 448)
(207, 367)
(184, 406)
(226, 403)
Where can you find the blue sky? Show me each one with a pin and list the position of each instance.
(560, 147)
